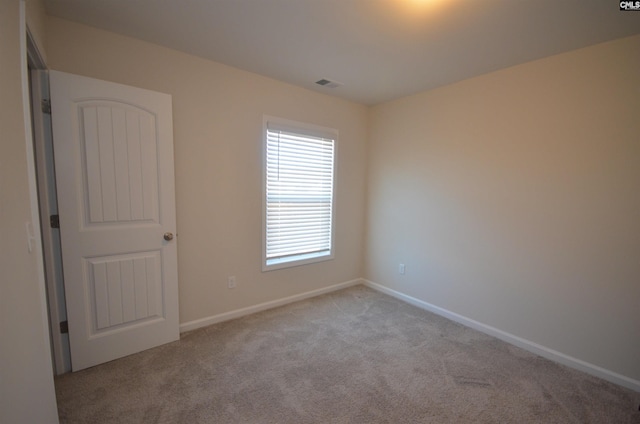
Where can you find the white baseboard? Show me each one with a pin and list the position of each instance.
(226, 316)
(514, 340)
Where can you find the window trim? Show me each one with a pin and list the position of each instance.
(271, 122)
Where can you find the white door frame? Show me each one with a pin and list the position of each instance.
(46, 408)
(43, 145)
(40, 143)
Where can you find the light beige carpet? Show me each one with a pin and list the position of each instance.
(353, 356)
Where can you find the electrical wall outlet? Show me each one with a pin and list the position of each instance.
(231, 282)
(401, 269)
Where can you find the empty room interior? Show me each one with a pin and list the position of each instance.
(484, 207)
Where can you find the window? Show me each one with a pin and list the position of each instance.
(298, 193)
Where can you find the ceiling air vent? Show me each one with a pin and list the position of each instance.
(328, 83)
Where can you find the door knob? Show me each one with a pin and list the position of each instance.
(168, 236)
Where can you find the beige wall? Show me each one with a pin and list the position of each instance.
(218, 113)
(514, 199)
(26, 375)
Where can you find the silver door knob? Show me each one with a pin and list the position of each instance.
(168, 236)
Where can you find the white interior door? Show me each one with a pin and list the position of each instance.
(113, 148)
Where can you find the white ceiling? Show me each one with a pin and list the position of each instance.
(378, 49)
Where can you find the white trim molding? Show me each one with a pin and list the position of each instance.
(226, 316)
(528, 345)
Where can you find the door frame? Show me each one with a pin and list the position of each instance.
(46, 408)
(51, 249)
(42, 170)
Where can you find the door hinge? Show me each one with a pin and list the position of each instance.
(64, 327)
(54, 220)
(46, 106)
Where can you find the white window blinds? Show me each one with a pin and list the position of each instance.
(299, 195)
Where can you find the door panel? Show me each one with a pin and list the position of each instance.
(120, 163)
(113, 147)
(124, 289)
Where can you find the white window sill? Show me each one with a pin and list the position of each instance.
(297, 260)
